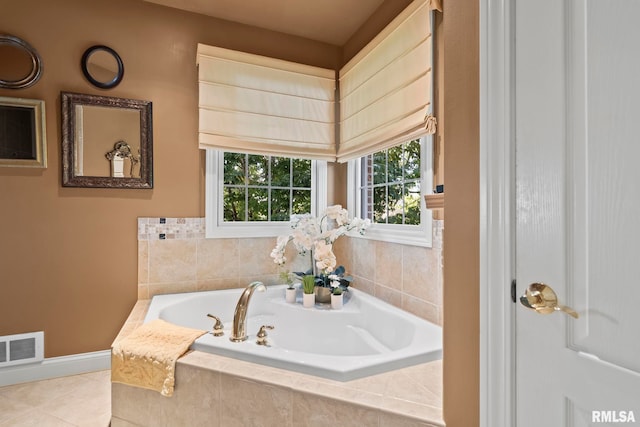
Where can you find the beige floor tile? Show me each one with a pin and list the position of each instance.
(10, 408)
(40, 392)
(73, 401)
(100, 376)
(89, 404)
(36, 418)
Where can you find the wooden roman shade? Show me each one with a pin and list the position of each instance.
(385, 90)
(255, 104)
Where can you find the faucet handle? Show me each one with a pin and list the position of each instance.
(218, 327)
(262, 335)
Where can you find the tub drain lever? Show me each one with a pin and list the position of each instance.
(262, 335)
(218, 327)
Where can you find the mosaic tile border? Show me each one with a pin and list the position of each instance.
(170, 228)
(164, 228)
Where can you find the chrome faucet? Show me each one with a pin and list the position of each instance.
(239, 330)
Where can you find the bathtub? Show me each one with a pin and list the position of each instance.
(366, 337)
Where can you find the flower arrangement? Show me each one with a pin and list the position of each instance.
(317, 235)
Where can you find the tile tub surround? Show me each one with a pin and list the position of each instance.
(409, 277)
(218, 391)
(174, 256)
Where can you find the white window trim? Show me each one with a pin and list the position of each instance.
(214, 202)
(415, 235)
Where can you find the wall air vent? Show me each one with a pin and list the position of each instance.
(21, 348)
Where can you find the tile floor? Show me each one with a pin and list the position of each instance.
(74, 401)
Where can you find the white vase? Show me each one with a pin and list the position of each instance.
(336, 301)
(290, 295)
(308, 300)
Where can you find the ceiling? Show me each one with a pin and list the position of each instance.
(328, 21)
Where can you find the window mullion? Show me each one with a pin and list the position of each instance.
(268, 188)
(246, 187)
(386, 187)
(404, 182)
(290, 187)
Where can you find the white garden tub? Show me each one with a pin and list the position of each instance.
(366, 337)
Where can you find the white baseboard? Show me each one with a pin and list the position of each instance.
(56, 367)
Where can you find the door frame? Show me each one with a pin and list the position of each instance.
(497, 214)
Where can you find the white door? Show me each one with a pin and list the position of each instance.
(577, 86)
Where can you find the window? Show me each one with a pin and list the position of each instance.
(250, 195)
(388, 187)
(265, 188)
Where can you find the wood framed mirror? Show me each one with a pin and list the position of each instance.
(107, 142)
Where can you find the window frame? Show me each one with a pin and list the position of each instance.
(216, 227)
(415, 235)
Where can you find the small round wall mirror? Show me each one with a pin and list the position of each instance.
(20, 64)
(102, 66)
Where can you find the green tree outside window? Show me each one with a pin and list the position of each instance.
(265, 188)
(391, 185)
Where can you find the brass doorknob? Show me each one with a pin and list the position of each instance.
(543, 300)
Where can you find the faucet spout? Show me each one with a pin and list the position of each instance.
(239, 330)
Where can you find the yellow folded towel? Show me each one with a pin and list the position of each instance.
(147, 357)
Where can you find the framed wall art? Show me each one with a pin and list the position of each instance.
(22, 133)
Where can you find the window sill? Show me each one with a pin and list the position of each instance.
(244, 230)
(404, 235)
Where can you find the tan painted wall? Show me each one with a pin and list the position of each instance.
(68, 255)
(375, 24)
(461, 237)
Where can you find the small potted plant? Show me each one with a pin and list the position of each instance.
(290, 292)
(308, 287)
(336, 292)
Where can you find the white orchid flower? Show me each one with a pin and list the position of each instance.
(337, 232)
(310, 233)
(322, 249)
(343, 217)
(327, 264)
(333, 211)
(324, 256)
(303, 241)
(278, 256)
